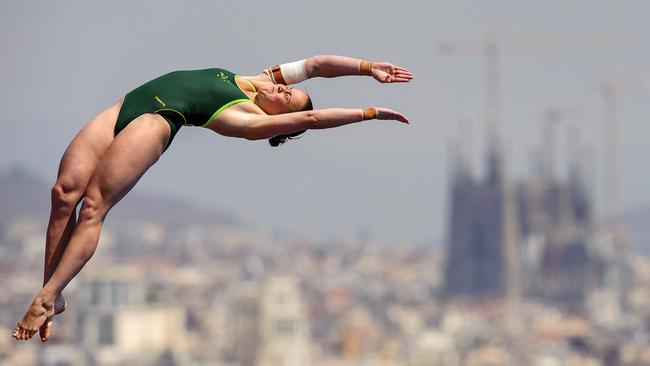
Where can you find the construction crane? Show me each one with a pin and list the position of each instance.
(610, 88)
(492, 48)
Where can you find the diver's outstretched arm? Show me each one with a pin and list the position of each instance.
(330, 66)
(261, 126)
(268, 126)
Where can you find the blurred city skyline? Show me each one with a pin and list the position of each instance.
(62, 67)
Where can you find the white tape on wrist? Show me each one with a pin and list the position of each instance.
(294, 72)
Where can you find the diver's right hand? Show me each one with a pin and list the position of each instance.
(385, 113)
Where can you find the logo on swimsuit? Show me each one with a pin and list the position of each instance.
(224, 76)
(160, 101)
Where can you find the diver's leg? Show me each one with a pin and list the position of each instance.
(75, 169)
(133, 151)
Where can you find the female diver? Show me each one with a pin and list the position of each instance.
(110, 153)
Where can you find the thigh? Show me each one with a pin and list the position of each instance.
(136, 148)
(87, 148)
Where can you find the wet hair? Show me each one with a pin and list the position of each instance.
(281, 139)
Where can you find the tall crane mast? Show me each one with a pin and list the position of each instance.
(610, 88)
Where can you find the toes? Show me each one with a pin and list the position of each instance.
(45, 333)
(18, 332)
(22, 333)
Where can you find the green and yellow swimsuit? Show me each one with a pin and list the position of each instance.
(186, 97)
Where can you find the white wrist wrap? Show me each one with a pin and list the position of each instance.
(294, 72)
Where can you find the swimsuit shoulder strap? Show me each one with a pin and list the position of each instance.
(248, 81)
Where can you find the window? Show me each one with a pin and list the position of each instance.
(284, 327)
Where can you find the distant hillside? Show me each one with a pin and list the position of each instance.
(23, 193)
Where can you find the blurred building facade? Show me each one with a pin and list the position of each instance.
(283, 324)
(483, 255)
(531, 237)
(119, 322)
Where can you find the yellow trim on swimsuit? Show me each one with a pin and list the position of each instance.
(214, 115)
(248, 81)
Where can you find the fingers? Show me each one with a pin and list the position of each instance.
(392, 79)
(402, 74)
(405, 74)
(385, 113)
(397, 76)
(388, 73)
(400, 79)
(402, 118)
(395, 79)
(400, 70)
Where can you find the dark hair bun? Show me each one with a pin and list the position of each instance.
(281, 139)
(277, 140)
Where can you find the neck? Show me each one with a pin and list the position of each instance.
(246, 88)
(250, 94)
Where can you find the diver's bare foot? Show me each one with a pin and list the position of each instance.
(46, 329)
(38, 312)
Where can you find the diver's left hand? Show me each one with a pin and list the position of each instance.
(385, 72)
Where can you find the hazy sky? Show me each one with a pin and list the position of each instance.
(65, 61)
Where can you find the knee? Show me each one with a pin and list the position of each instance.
(65, 196)
(94, 207)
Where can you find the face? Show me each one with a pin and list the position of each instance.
(278, 99)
